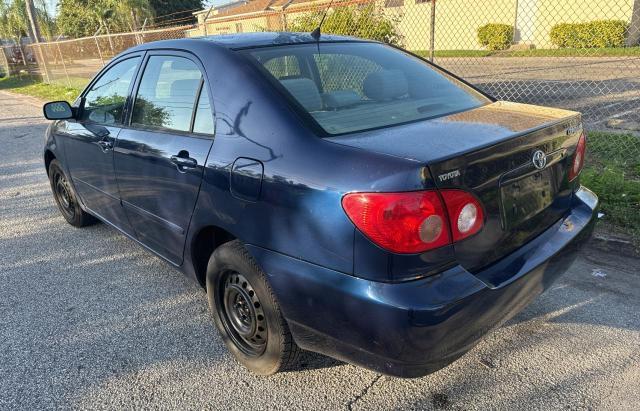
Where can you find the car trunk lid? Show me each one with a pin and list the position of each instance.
(489, 151)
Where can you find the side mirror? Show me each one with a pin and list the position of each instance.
(57, 110)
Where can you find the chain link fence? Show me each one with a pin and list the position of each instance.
(74, 62)
(576, 54)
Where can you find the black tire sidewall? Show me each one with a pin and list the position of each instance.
(77, 220)
(233, 257)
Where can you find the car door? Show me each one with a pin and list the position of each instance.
(160, 156)
(90, 138)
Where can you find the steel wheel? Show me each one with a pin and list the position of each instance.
(63, 195)
(242, 314)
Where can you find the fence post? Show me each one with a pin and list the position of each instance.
(633, 36)
(432, 36)
(42, 60)
(140, 34)
(24, 58)
(109, 38)
(204, 22)
(95, 37)
(5, 62)
(64, 65)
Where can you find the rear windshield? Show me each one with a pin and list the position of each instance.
(349, 87)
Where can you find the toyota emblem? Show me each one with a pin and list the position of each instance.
(539, 159)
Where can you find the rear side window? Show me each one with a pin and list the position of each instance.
(203, 120)
(167, 93)
(104, 102)
(355, 86)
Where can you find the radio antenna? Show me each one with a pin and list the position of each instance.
(316, 32)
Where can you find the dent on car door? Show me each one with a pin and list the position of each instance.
(160, 157)
(90, 138)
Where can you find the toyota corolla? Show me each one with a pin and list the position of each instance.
(335, 195)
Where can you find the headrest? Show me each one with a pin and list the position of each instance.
(340, 98)
(184, 88)
(385, 85)
(305, 91)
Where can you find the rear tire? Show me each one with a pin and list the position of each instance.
(246, 312)
(66, 198)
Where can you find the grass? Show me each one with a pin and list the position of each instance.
(595, 52)
(612, 171)
(33, 87)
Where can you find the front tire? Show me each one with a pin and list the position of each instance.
(66, 198)
(246, 312)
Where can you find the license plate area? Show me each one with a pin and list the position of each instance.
(526, 196)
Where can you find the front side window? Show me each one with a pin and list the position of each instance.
(356, 86)
(104, 102)
(167, 93)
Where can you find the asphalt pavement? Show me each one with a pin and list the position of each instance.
(90, 320)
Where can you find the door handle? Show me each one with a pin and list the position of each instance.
(105, 145)
(183, 161)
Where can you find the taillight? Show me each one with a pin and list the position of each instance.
(465, 213)
(414, 222)
(578, 158)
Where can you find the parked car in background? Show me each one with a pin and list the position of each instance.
(341, 196)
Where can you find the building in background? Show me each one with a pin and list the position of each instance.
(455, 27)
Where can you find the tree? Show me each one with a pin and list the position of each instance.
(14, 23)
(13, 20)
(81, 18)
(45, 20)
(76, 18)
(166, 10)
(368, 22)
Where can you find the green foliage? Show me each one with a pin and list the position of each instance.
(32, 87)
(81, 18)
(76, 19)
(593, 34)
(14, 22)
(368, 22)
(613, 173)
(166, 10)
(147, 113)
(495, 36)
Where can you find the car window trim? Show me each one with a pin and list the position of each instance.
(197, 133)
(196, 103)
(203, 82)
(121, 122)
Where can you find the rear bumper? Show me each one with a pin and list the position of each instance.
(413, 328)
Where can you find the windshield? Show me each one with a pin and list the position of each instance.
(349, 87)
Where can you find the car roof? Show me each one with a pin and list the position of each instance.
(248, 40)
(262, 39)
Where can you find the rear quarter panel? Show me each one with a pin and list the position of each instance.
(299, 210)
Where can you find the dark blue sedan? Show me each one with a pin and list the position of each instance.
(340, 196)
